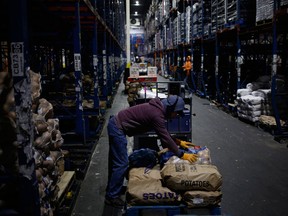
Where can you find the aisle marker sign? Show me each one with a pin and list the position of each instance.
(134, 71)
(77, 62)
(152, 71)
(17, 59)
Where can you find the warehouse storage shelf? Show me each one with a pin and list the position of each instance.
(48, 35)
(240, 34)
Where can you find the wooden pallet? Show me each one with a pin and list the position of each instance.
(264, 22)
(65, 184)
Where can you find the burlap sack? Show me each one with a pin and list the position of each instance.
(202, 198)
(145, 188)
(186, 177)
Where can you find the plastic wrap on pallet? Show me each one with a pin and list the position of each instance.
(264, 10)
(188, 24)
(178, 28)
(284, 3)
(170, 35)
(218, 15)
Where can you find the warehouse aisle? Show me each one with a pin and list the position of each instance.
(253, 165)
(90, 201)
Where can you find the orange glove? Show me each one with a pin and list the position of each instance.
(184, 144)
(190, 157)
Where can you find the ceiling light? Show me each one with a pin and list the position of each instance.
(137, 2)
(136, 12)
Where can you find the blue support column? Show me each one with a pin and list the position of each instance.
(80, 122)
(238, 67)
(192, 49)
(95, 64)
(202, 83)
(238, 62)
(104, 61)
(19, 53)
(217, 78)
(274, 73)
(218, 94)
(109, 69)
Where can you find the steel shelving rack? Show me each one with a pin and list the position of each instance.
(247, 42)
(49, 37)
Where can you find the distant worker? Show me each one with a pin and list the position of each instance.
(187, 71)
(137, 120)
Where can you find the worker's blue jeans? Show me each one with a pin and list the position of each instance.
(118, 159)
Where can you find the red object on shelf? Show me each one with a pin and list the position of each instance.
(142, 79)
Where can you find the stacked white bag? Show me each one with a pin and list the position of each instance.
(254, 100)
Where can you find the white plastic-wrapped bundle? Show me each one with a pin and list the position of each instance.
(251, 100)
(243, 92)
(264, 10)
(150, 94)
(249, 107)
(284, 2)
(266, 106)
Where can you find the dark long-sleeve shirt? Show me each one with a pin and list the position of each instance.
(147, 117)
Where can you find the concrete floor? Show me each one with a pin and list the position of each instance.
(254, 166)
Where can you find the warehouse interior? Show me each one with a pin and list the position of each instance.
(66, 66)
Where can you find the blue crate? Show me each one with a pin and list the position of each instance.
(180, 124)
(172, 210)
(209, 210)
(152, 210)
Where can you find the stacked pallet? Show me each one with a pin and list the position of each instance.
(254, 100)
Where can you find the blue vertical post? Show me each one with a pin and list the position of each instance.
(238, 64)
(274, 49)
(112, 51)
(184, 32)
(238, 67)
(109, 71)
(104, 89)
(95, 63)
(192, 48)
(274, 72)
(202, 83)
(80, 122)
(217, 46)
(19, 56)
(218, 95)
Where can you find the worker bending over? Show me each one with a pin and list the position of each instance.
(136, 120)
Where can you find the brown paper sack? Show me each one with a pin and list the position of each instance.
(145, 188)
(186, 177)
(202, 198)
